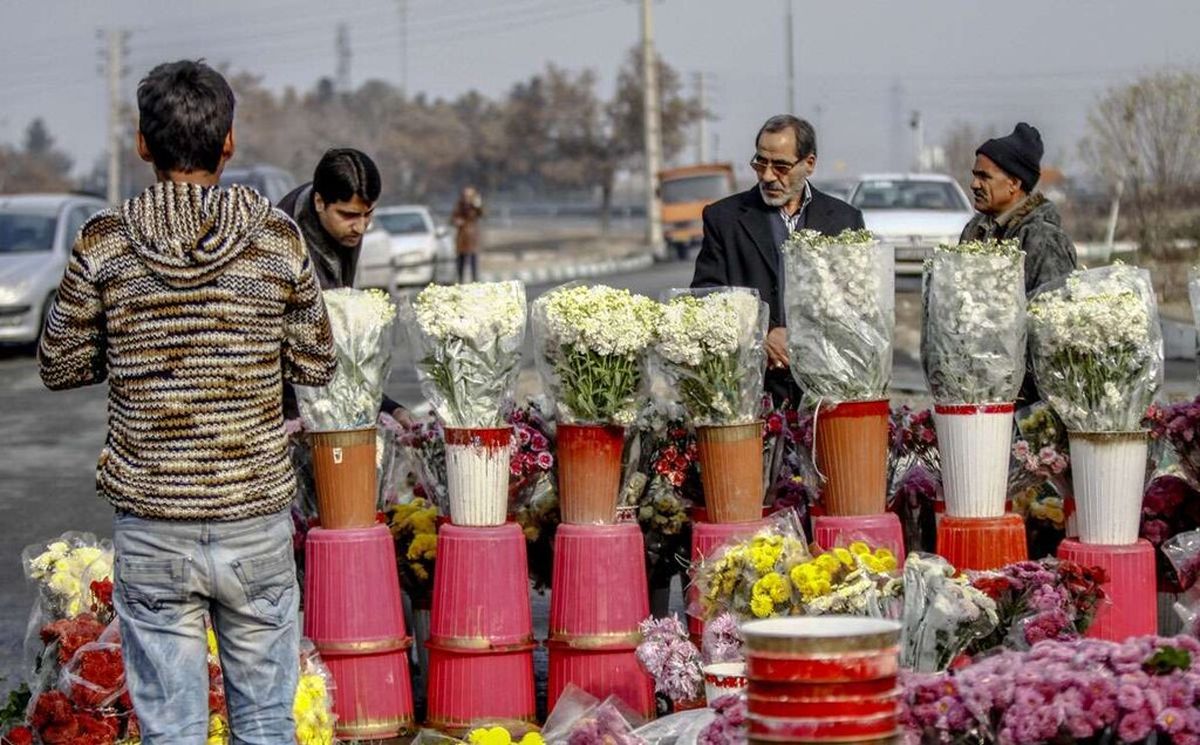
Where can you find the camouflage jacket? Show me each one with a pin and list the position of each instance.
(1049, 253)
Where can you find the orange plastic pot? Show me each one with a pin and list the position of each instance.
(731, 470)
(345, 476)
(851, 452)
(589, 472)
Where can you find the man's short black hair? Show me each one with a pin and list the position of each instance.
(806, 136)
(344, 173)
(185, 112)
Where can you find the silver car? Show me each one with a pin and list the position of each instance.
(912, 213)
(36, 234)
(405, 248)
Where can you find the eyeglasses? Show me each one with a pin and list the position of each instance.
(780, 167)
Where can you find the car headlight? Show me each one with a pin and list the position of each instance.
(14, 294)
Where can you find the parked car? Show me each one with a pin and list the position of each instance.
(36, 233)
(405, 248)
(912, 213)
(273, 183)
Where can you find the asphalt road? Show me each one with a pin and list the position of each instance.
(49, 442)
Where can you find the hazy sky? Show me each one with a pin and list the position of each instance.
(862, 65)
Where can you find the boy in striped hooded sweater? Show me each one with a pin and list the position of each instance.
(194, 303)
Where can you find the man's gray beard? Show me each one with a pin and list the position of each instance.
(776, 201)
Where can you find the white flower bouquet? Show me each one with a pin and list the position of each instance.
(710, 349)
(467, 341)
(839, 296)
(973, 324)
(592, 345)
(1097, 348)
(943, 614)
(362, 323)
(64, 570)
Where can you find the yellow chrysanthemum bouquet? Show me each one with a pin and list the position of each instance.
(750, 578)
(772, 573)
(414, 528)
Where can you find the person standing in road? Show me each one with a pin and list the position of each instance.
(468, 211)
(1003, 186)
(744, 233)
(194, 302)
(334, 212)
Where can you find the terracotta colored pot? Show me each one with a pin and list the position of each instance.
(982, 542)
(589, 472)
(345, 476)
(731, 469)
(852, 452)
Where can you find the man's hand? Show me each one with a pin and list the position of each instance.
(403, 416)
(293, 427)
(777, 351)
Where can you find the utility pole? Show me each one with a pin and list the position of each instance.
(343, 57)
(702, 124)
(651, 133)
(918, 156)
(790, 55)
(115, 72)
(402, 7)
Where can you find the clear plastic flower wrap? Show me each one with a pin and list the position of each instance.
(1097, 348)
(681, 728)
(973, 322)
(711, 350)
(312, 707)
(943, 614)
(58, 570)
(467, 341)
(579, 718)
(592, 345)
(840, 301)
(95, 676)
(363, 322)
(750, 578)
(1183, 552)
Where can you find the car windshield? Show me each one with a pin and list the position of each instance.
(402, 223)
(20, 232)
(908, 195)
(703, 188)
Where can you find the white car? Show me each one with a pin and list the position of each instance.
(404, 248)
(36, 233)
(912, 213)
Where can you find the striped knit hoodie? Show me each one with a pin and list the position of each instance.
(194, 303)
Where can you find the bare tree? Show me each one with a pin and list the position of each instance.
(959, 143)
(1146, 136)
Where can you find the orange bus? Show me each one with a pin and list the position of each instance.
(685, 192)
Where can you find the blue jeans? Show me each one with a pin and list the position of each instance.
(169, 575)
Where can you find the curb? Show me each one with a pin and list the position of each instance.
(553, 273)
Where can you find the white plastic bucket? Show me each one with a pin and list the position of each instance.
(477, 469)
(1109, 474)
(974, 441)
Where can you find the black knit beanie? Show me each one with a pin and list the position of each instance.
(1019, 154)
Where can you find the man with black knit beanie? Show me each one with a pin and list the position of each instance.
(1004, 181)
(1005, 176)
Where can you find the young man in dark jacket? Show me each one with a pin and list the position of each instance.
(195, 302)
(334, 212)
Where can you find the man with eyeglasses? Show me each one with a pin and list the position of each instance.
(743, 233)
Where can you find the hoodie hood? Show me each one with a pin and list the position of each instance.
(187, 234)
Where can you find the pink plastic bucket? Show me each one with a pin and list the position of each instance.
(880, 531)
(599, 594)
(351, 590)
(706, 540)
(1131, 608)
(602, 673)
(481, 588)
(372, 694)
(467, 687)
